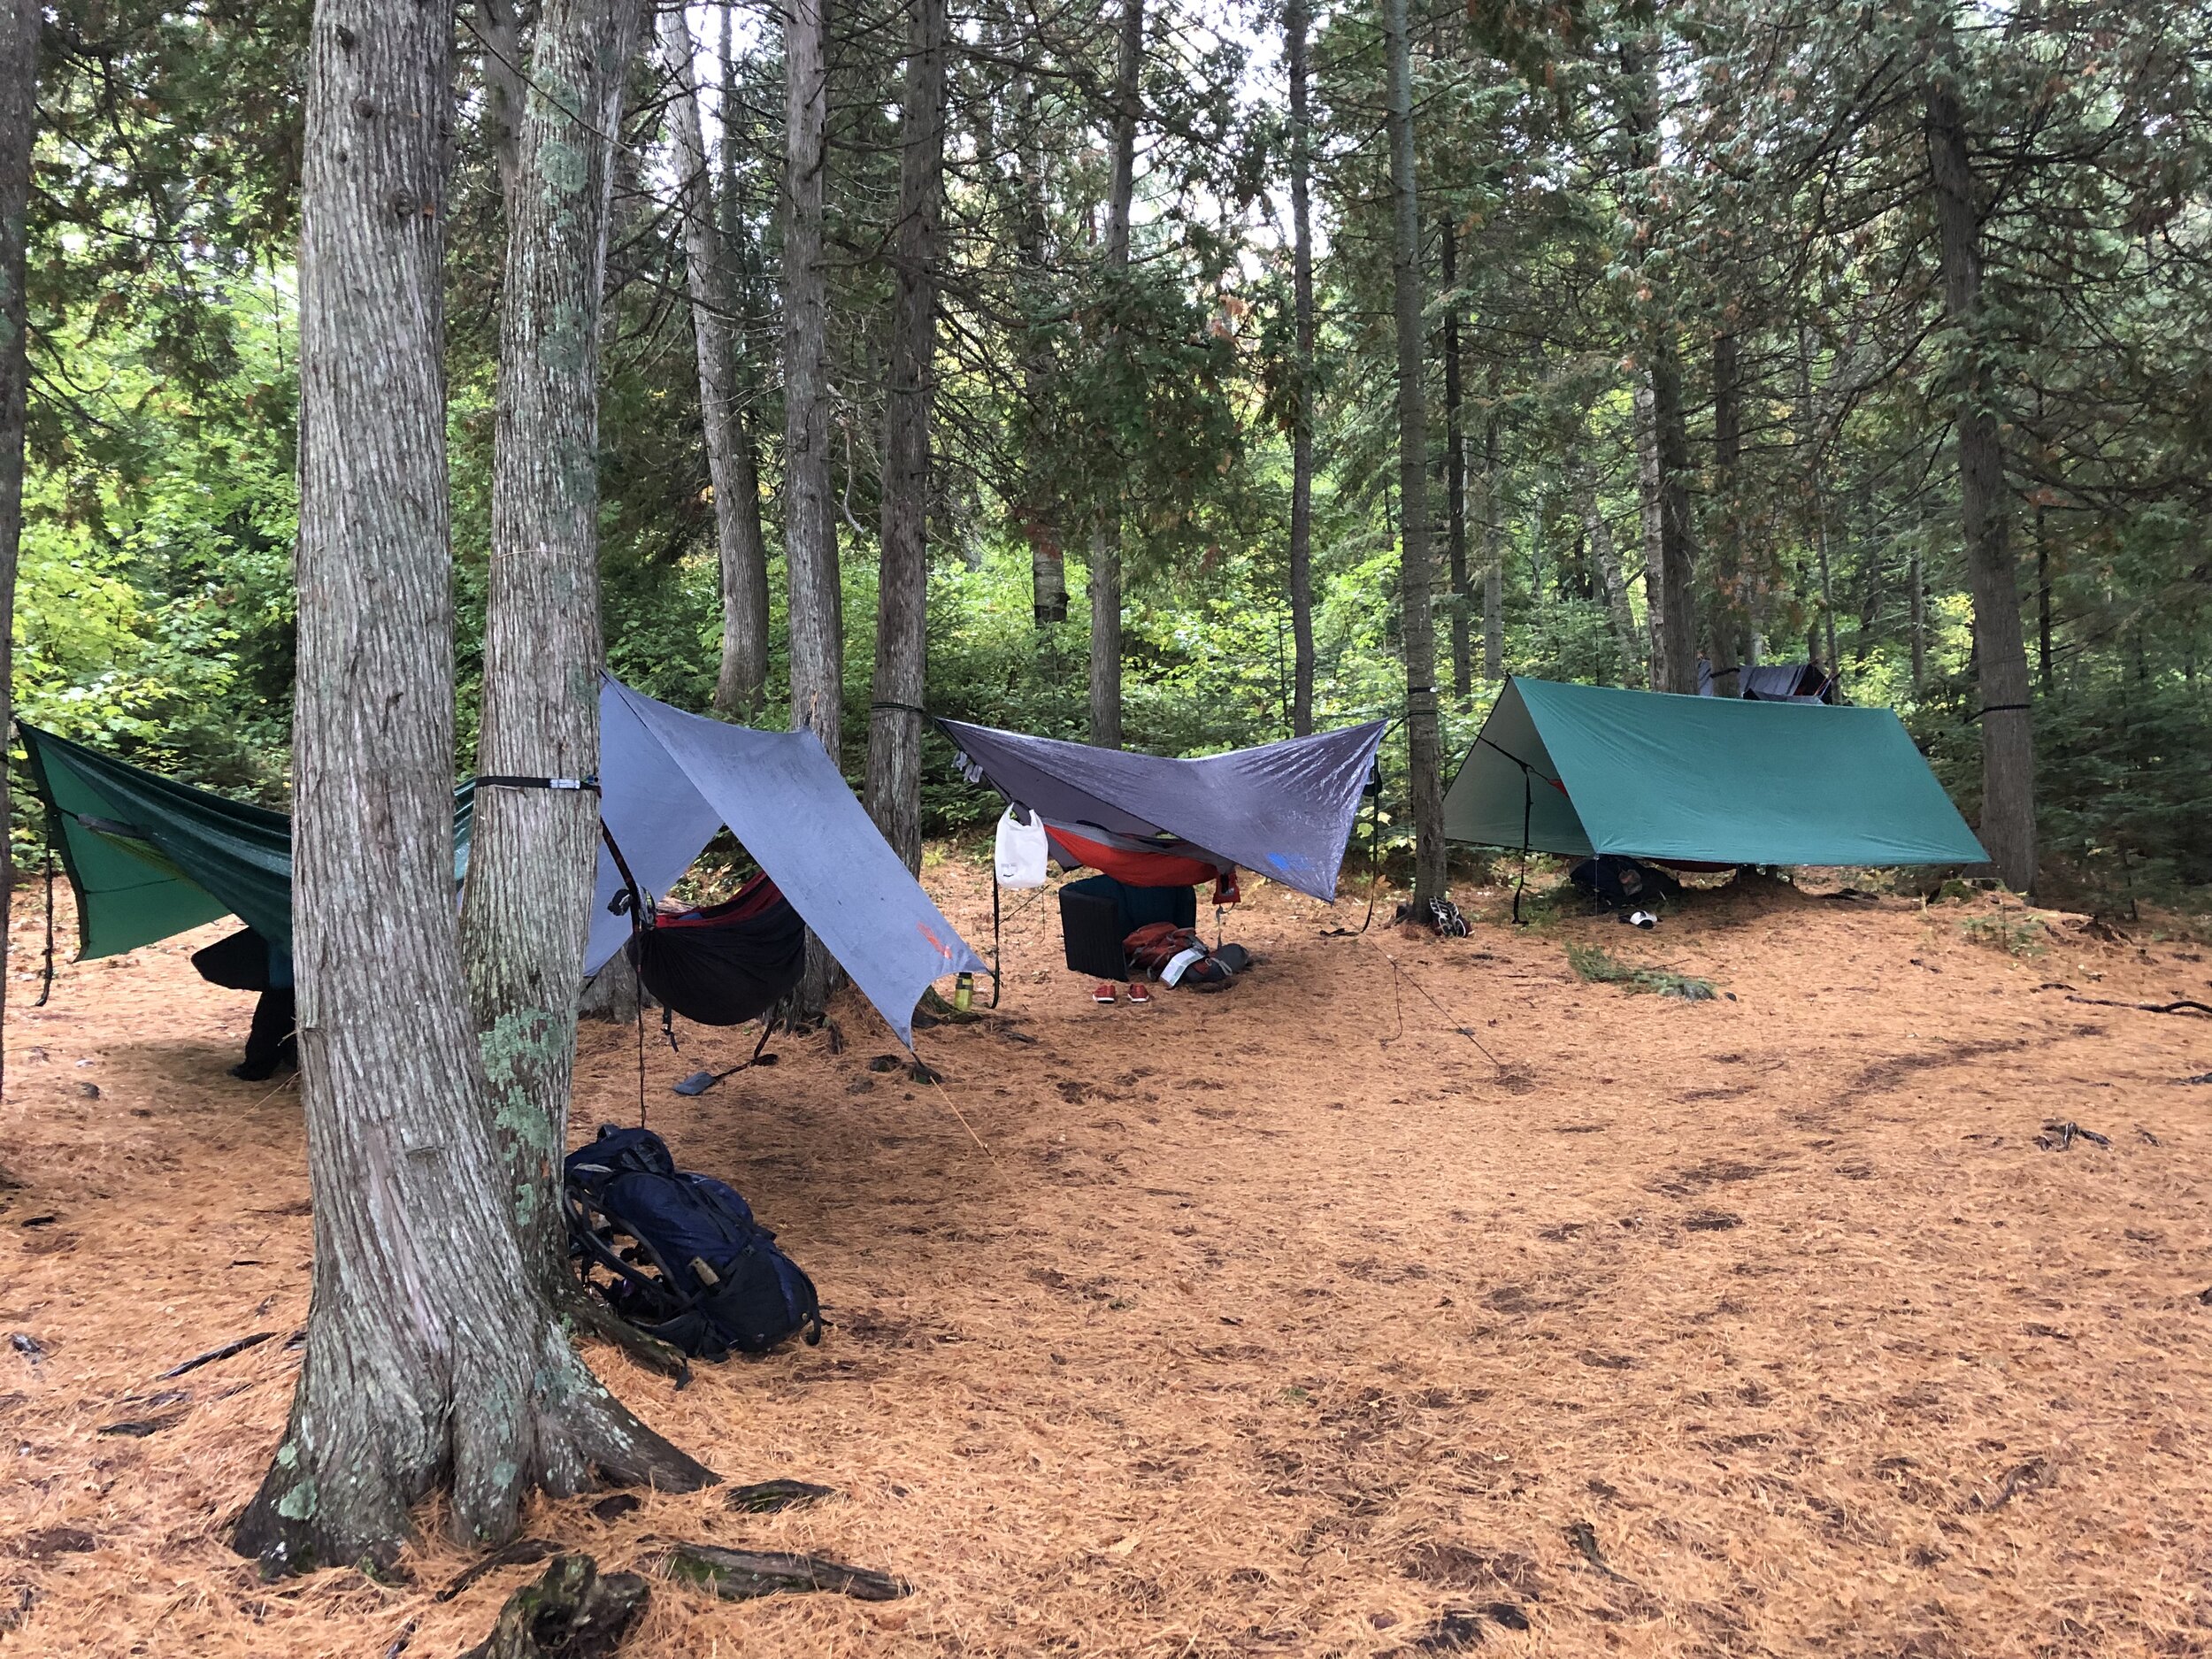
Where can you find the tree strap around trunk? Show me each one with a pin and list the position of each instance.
(590, 784)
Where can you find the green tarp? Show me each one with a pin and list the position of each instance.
(1593, 769)
(149, 857)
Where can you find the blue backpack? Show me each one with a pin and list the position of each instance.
(679, 1254)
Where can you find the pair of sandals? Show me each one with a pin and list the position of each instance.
(1140, 994)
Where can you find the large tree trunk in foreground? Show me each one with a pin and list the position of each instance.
(525, 908)
(1456, 474)
(2001, 654)
(1106, 535)
(19, 131)
(1425, 779)
(743, 676)
(1294, 24)
(894, 720)
(432, 1358)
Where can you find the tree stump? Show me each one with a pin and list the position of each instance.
(572, 1612)
(612, 993)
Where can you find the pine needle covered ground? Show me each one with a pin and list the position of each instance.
(1272, 1322)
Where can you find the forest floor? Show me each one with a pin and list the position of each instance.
(1280, 1321)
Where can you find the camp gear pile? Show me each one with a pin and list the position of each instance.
(1178, 956)
(1583, 770)
(1098, 913)
(679, 1254)
(1623, 884)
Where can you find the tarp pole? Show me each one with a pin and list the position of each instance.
(997, 979)
(1528, 808)
(46, 987)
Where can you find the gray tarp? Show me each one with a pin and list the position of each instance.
(669, 780)
(1284, 811)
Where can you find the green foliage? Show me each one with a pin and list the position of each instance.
(2012, 932)
(1787, 209)
(1592, 964)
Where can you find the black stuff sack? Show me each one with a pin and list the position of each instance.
(677, 1254)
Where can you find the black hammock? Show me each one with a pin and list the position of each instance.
(724, 964)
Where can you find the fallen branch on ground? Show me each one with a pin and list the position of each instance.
(2059, 1137)
(765, 1497)
(238, 1344)
(739, 1575)
(2183, 1005)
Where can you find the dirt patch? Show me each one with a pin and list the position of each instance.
(1279, 1321)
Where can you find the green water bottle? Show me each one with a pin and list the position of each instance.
(963, 992)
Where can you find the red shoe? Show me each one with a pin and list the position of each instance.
(1104, 994)
(1140, 994)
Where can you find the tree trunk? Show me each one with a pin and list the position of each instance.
(895, 719)
(1492, 552)
(432, 1358)
(741, 686)
(2042, 602)
(1455, 473)
(1040, 516)
(1649, 500)
(1816, 498)
(1731, 629)
(498, 30)
(526, 907)
(1296, 22)
(1106, 534)
(1609, 568)
(1678, 539)
(1417, 578)
(1918, 591)
(18, 133)
(1671, 432)
(2007, 826)
(810, 508)
(743, 675)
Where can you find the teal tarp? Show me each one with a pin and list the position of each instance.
(149, 857)
(1593, 769)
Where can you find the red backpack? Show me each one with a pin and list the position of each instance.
(1153, 946)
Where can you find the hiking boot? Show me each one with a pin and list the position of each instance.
(1104, 994)
(1140, 994)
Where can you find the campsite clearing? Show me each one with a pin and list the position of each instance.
(1278, 1321)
